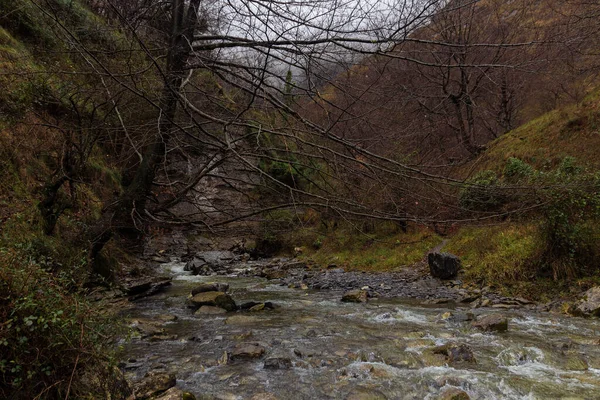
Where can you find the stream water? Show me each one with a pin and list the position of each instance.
(336, 348)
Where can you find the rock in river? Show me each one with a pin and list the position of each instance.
(153, 384)
(210, 287)
(589, 305)
(491, 323)
(456, 353)
(443, 265)
(355, 296)
(278, 363)
(247, 351)
(214, 299)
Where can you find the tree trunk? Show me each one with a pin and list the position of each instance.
(131, 204)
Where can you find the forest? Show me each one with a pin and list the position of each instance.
(434, 164)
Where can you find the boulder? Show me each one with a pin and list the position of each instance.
(215, 299)
(210, 287)
(153, 385)
(278, 363)
(589, 305)
(443, 265)
(355, 296)
(491, 323)
(247, 351)
(456, 353)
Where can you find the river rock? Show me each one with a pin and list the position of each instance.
(258, 307)
(176, 394)
(362, 393)
(194, 266)
(210, 310)
(443, 265)
(454, 394)
(278, 363)
(215, 299)
(589, 305)
(456, 353)
(210, 287)
(461, 317)
(146, 287)
(355, 296)
(491, 323)
(153, 385)
(247, 351)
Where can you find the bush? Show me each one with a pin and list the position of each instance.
(570, 214)
(517, 170)
(483, 192)
(52, 341)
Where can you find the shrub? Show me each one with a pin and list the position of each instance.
(483, 192)
(517, 170)
(52, 341)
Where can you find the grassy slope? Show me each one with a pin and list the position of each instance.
(502, 253)
(52, 340)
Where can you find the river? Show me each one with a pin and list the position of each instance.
(383, 348)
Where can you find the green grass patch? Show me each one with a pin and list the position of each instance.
(375, 252)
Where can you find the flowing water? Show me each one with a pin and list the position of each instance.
(383, 345)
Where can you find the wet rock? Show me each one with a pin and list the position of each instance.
(456, 353)
(146, 287)
(491, 323)
(194, 266)
(304, 352)
(454, 394)
(274, 273)
(589, 305)
(461, 317)
(159, 338)
(355, 296)
(210, 310)
(175, 394)
(362, 393)
(215, 299)
(153, 384)
(148, 328)
(278, 363)
(443, 265)
(258, 307)
(167, 317)
(247, 351)
(210, 287)
(255, 306)
(469, 298)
